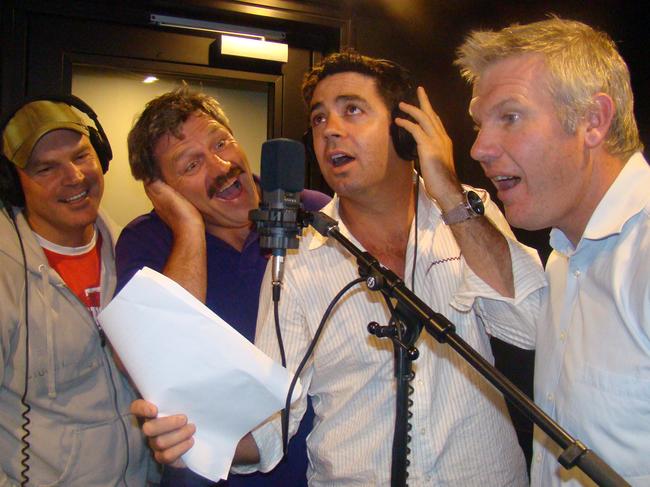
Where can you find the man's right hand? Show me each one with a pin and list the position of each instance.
(169, 437)
(187, 261)
(173, 208)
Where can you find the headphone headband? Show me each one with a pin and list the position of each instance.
(70, 100)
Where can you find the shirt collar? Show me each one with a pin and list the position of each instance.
(315, 239)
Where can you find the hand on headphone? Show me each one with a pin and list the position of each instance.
(435, 150)
(173, 208)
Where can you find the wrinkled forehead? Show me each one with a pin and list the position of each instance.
(205, 120)
(345, 84)
(517, 75)
(213, 126)
(192, 125)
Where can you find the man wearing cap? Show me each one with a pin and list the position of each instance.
(63, 403)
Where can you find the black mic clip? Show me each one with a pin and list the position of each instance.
(280, 226)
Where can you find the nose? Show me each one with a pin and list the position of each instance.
(218, 166)
(485, 148)
(334, 126)
(72, 174)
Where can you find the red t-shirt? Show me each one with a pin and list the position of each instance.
(80, 268)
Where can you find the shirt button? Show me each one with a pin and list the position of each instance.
(550, 396)
(576, 273)
(562, 336)
(423, 431)
(538, 457)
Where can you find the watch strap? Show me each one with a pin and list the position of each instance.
(463, 211)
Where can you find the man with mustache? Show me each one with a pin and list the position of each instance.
(557, 135)
(444, 240)
(201, 186)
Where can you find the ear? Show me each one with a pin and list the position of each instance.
(599, 119)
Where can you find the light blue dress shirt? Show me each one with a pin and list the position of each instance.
(592, 367)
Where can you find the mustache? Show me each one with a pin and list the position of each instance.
(219, 181)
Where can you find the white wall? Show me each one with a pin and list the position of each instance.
(118, 97)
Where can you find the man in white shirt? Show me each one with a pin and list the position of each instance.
(557, 136)
(361, 142)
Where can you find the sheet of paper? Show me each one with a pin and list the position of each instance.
(185, 359)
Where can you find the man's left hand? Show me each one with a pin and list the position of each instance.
(435, 150)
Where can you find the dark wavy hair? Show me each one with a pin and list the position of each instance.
(394, 82)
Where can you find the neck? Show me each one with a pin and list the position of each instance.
(606, 169)
(382, 226)
(385, 203)
(71, 237)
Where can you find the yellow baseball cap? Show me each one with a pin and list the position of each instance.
(32, 122)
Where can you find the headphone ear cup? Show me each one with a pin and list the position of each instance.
(104, 152)
(11, 192)
(403, 141)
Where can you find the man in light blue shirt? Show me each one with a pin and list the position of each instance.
(557, 136)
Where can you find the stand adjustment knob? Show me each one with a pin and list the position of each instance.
(379, 331)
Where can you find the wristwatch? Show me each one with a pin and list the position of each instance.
(470, 208)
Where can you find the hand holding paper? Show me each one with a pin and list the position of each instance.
(185, 359)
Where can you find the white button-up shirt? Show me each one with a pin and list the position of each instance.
(461, 433)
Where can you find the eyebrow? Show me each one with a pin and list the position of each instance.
(495, 108)
(339, 99)
(213, 130)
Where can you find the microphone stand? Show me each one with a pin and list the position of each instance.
(404, 330)
(411, 314)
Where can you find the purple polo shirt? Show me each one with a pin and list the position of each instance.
(233, 293)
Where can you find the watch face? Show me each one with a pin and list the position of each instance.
(475, 203)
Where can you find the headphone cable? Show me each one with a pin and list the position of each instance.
(23, 399)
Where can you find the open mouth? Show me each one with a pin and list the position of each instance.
(229, 192)
(340, 159)
(227, 186)
(75, 198)
(504, 183)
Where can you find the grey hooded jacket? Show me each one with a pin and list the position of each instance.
(81, 432)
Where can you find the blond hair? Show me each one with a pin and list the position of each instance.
(581, 62)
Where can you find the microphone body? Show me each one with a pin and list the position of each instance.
(277, 220)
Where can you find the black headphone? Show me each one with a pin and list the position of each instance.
(11, 192)
(403, 142)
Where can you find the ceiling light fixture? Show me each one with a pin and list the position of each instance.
(254, 48)
(235, 40)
